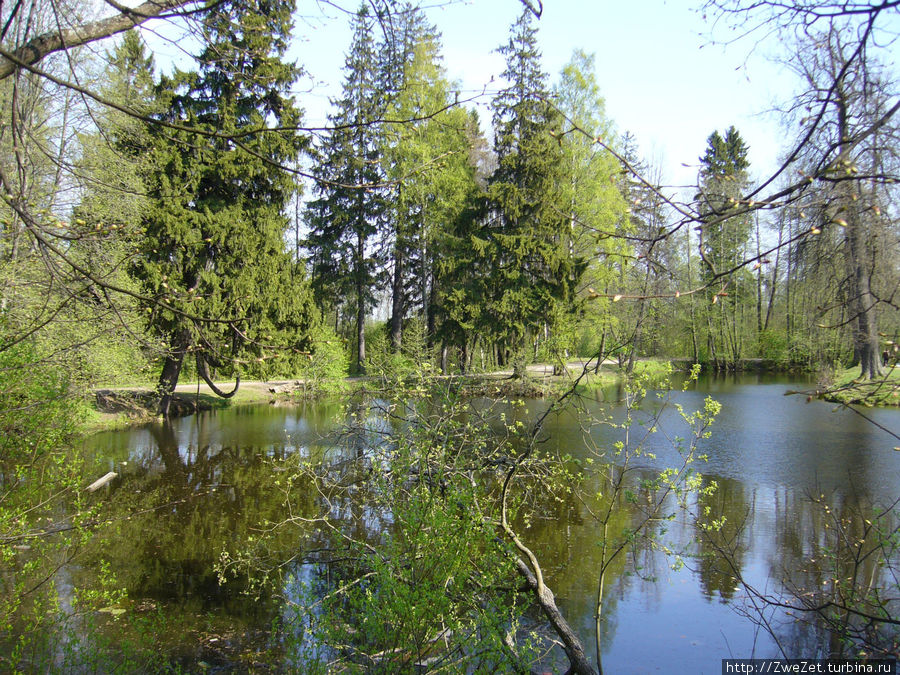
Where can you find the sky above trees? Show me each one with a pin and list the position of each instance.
(662, 78)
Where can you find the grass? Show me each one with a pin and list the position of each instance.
(848, 388)
(654, 370)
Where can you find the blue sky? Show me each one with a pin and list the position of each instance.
(661, 77)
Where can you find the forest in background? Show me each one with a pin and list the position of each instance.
(158, 224)
(157, 221)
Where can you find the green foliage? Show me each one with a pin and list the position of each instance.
(462, 270)
(773, 346)
(44, 518)
(723, 244)
(37, 415)
(591, 191)
(213, 255)
(531, 266)
(428, 596)
(390, 365)
(324, 370)
(419, 575)
(427, 162)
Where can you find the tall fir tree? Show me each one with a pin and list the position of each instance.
(426, 160)
(350, 206)
(214, 255)
(461, 273)
(525, 232)
(724, 241)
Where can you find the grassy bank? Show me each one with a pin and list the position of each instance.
(121, 407)
(848, 388)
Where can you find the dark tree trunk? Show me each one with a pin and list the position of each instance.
(430, 318)
(601, 352)
(360, 307)
(865, 332)
(771, 300)
(464, 356)
(168, 378)
(759, 293)
(203, 371)
(397, 301)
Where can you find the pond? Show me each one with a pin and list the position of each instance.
(782, 467)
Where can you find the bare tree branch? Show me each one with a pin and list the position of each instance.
(43, 45)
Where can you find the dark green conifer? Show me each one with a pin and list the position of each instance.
(214, 254)
(524, 233)
(350, 207)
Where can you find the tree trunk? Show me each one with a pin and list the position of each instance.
(759, 293)
(639, 324)
(397, 301)
(862, 302)
(360, 307)
(571, 644)
(168, 378)
(430, 318)
(865, 332)
(695, 348)
(774, 277)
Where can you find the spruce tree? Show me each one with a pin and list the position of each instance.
(213, 254)
(350, 206)
(462, 274)
(525, 230)
(723, 179)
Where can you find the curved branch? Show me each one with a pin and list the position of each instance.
(203, 370)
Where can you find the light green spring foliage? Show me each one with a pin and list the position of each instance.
(597, 208)
(45, 517)
(325, 368)
(114, 158)
(56, 339)
(392, 367)
(419, 575)
(72, 319)
(426, 156)
(591, 196)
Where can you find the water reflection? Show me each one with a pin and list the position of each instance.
(211, 482)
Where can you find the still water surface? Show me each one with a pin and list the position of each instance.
(768, 453)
